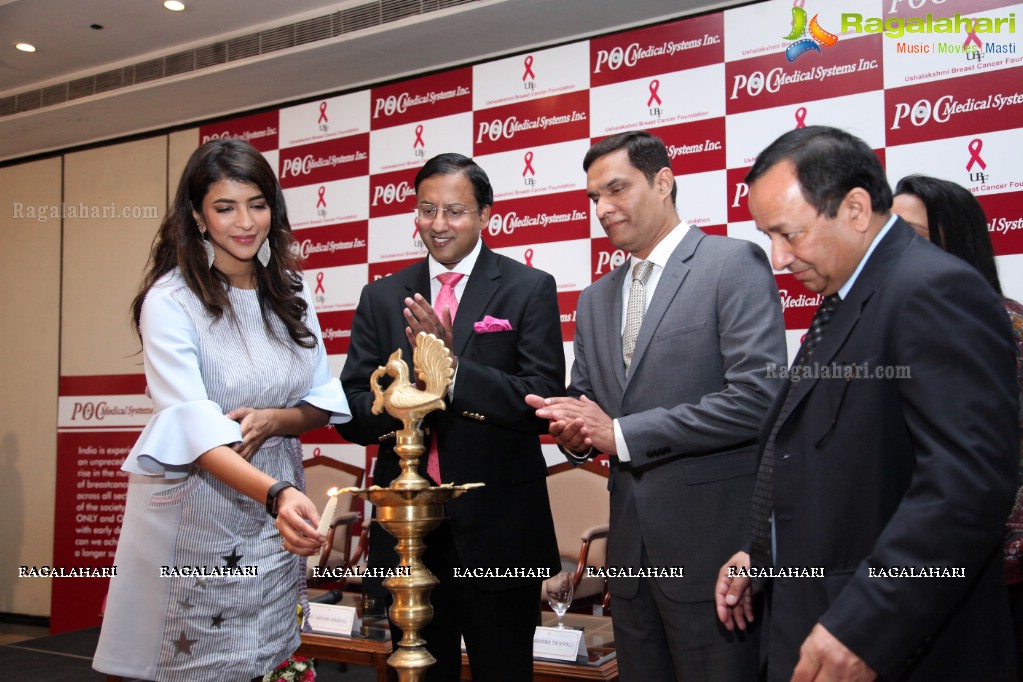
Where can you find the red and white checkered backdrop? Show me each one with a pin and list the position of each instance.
(716, 88)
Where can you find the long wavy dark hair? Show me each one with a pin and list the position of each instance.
(178, 244)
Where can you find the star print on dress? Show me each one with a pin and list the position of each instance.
(233, 558)
(186, 605)
(217, 620)
(184, 644)
(201, 582)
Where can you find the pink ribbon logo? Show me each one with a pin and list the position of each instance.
(973, 38)
(321, 202)
(801, 117)
(528, 158)
(528, 62)
(419, 138)
(323, 113)
(319, 284)
(316, 452)
(529, 257)
(654, 86)
(975, 146)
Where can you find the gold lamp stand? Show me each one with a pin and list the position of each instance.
(410, 507)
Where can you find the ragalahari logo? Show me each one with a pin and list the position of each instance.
(817, 36)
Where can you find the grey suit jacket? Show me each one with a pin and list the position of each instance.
(689, 409)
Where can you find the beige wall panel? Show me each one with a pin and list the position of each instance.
(180, 146)
(29, 337)
(124, 189)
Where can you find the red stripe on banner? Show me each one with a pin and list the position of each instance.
(387, 268)
(420, 99)
(1004, 221)
(909, 9)
(605, 257)
(850, 67)
(336, 328)
(981, 103)
(798, 303)
(104, 384)
(695, 147)
(259, 130)
(324, 247)
(392, 193)
(567, 304)
(343, 157)
(538, 219)
(531, 123)
(645, 52)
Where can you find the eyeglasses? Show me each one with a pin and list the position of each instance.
(455, 214)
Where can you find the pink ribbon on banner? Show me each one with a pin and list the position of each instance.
(975, 146)
(801, 117)
(316, 452)
(528, 158)
(654, 87)
(319, 284)
(323, 113)
(972, 37)
(321, 202)
(528, 62)
(529, 257)
(419, 138)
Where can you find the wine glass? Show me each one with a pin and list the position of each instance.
(559, 595)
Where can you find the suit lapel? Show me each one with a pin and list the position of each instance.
(483, 283)
(674, 274)
(613, 304)
(887, 253)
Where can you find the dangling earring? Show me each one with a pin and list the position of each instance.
(209, 252)
(206, 245)
(264, 252)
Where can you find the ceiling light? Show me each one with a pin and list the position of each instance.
(25, 47)
(174, 5)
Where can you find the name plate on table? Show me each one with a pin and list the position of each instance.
(332, 618)
(558, 644)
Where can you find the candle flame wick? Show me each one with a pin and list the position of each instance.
(333, 491)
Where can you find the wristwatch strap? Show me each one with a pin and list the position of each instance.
(274, 494)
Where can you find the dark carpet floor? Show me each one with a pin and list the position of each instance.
(68, 658)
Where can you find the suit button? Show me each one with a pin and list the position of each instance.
(785, 455)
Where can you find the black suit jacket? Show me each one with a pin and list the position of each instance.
(487, 434)
(873, 472)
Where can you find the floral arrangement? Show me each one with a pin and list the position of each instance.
(295, 669)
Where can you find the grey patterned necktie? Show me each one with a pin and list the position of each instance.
(637, 308)
(763, 486)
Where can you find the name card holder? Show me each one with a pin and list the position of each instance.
(558, 644)
(332, 618)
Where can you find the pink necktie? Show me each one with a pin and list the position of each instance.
(445, 299)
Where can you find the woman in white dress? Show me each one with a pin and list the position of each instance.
(209, 568)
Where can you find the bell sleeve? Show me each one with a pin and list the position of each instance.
(186, 422)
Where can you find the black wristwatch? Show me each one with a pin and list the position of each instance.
(274, 494)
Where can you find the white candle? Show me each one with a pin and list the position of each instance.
(328, 513)
(325, 520)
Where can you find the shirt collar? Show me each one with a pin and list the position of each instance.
(464, 266)
(843, 293)
(662, 252)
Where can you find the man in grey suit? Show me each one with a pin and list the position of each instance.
(670, 380)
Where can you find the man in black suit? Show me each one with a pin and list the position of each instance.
(890, 460)
(487, 433)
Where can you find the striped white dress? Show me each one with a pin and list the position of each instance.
(226, 627)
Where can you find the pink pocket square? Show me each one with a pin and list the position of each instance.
(491, 324)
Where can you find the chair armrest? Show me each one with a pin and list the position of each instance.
(591, 534)
(345, 519)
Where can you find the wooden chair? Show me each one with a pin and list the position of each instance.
(581, 507)
(322, 474)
